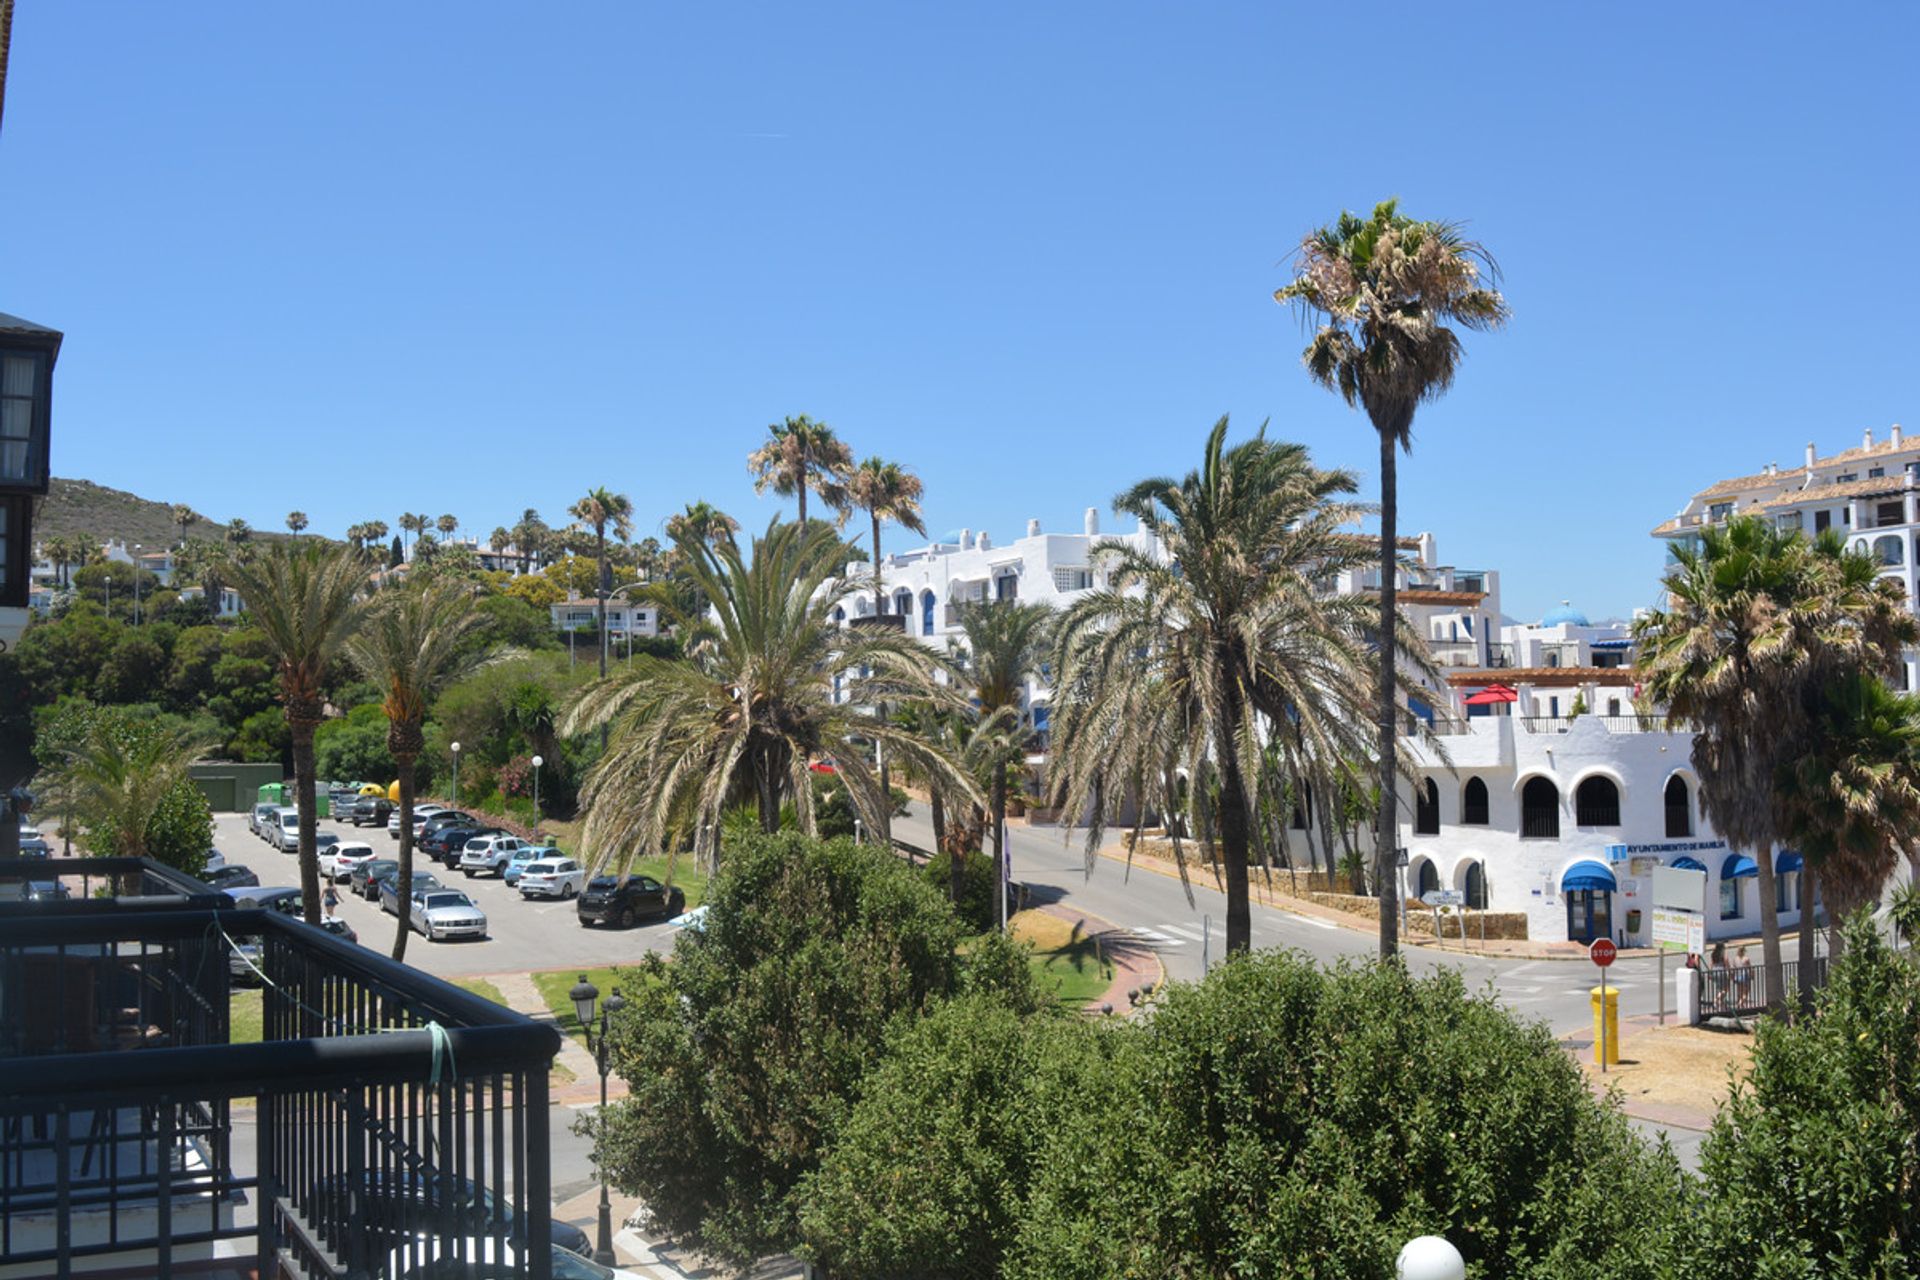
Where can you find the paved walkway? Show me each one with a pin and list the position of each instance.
(523, 997)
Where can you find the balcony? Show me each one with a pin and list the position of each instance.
(1612, 724)
(389, 1110)
(1470, 655)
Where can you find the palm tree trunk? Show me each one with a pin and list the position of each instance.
(300, 727)
(1805, 951)
(403, 879)
(1773, 974)
(802, 487)
(600, 555)
(879, 600)
(1387, 821)
(1231, 821)
(956, 883)
(999, 818)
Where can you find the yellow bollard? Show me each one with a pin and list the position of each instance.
(1606, 1025)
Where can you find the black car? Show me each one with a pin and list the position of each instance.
(35, 847)
(393, 1207)
(231, 876)
(446, 844)
(605, 900)
(370, 811)
(364, 880)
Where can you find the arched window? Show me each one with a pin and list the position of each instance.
(926, 613)
(903, 603)
(1540, 809)
(1426, 810)
(839, 614)
(1596, 803)
(1473, 803)
(1476, 886)
(1679, 808)
(1890, 550)
(1427, 879)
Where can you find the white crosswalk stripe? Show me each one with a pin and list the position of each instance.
(1318, 924)
(1185, 931)
(1155, 938)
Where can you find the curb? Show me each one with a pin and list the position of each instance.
(1119, 986)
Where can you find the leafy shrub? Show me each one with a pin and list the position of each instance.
(976, 906)
(1813, 1165)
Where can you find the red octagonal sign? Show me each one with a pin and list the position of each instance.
(1602, 952)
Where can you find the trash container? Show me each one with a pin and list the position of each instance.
(1633, 922)
(1606, 1024)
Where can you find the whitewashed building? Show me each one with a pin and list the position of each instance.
(624, 618)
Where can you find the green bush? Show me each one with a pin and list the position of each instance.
(743, 1057)
(1813, 1165)
(977, 881)
(1283, 1120)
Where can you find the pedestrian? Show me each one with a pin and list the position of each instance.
(1742, 974)
(1718, 960)
(330, 900)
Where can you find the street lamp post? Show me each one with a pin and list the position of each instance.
(584, 995)
(456, 775)
(537, 762)
(136, 584)
(109, 584)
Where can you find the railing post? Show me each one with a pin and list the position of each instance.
(537, 1176)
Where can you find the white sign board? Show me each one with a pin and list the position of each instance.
(1679, 888)
(1443, 897)
(1675, 930)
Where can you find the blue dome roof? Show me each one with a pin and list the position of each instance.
(1566, 614)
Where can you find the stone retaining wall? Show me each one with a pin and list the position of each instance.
(1504, 925)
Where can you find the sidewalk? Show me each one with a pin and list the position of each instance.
(523, 997)
(636, 1253)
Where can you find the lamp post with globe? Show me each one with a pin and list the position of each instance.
(584, 995)
(455, 748)
(537, 762)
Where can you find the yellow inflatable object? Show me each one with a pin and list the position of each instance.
(373, 789)
(393, 792)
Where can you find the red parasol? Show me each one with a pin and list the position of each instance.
(1490, 695)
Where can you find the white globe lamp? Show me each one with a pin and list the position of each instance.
(1430, 1258)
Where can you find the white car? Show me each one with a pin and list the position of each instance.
(447, 913)
(489, 853)
(257, 818)
(552, 878)
(420, 815)
(338, 861)
(285, 832)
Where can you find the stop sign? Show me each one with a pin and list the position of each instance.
(1602, 952)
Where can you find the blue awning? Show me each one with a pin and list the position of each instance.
(1738, 865)
(1611, 644)
(1787, 861)
(1588, 875)
(1684, 863)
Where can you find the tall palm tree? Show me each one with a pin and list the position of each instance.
(1171, 679)
(114, 784)
(183, 518)
(532, 536)
(411, 523)
(304, 598)
(701, 522)
(752, 704)
(447, 525)
(499, 540)
(238, 532)
(357, 536)
(601, 510)
(198, 561)
(414, 643)
(801, 454)
(376, 531)
(296, 521)
(885, 491)
(1004, 645)
(1385, 289)
(1759, 624)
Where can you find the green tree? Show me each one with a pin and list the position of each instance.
(1759, 624)
(296, 522)
(1812, 1167)
(413, 644)
(801, 455)
(1176, 672)
(304, 600)
(354, 745)
(885, 491)
(751, 705)
(1004, 644)
(601, 510)
(742, 1054)
(1385, 288)
(124, 780)
(183, 519)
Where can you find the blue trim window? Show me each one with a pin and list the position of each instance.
(926, 613)
(1730, 899)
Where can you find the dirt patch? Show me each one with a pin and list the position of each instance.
(1684, 1067)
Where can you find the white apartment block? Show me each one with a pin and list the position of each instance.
(624, 618)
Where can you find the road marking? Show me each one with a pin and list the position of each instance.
(1318, 924)
(1154, 937)
(1186, 931)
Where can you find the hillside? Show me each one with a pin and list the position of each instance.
(83, 507)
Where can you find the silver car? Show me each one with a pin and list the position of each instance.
(447, 913)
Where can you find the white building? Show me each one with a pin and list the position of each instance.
(624, 618)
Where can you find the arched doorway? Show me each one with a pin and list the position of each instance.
(1473, 883)
(1679, 806)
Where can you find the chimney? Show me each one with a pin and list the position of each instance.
(1809, 455)
(966, 539)
(1033, 526)
(1866, 438)
(1893, 435)
(984, 542)
(1093, 521)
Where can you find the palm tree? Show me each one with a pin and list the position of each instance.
(532, 536)
(376, 531)
(1172, 678)
(885, 491)
(238, 532)
(801, 454)
(447, 526)
(411, 523)
(413, 644)
(1385, 288)
(114, 784)
(183, 519)
(303, 597)
(752, 704)
(602, 509)
(198, 561)
(296, 521)
(1759, 624)
(702, 522)
(1005, 644)
(499, 540)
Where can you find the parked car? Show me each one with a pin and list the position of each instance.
(35, 846)
(339, 928)
(421, 812)
(341, 799)
(607, 901)
(421, 821)
(231, 876)
(46, 891)
(390, 888)
(524, 857)
(447, 913)
(364, 880)
(339, 859)
(489, 851)
(443, 844)
(370, 811)
(257, 818)
(396, 1208)
(552, 878)
(324, 843)
(421, 1260)
(285, 835)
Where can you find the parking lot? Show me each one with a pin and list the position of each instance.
(522, 935)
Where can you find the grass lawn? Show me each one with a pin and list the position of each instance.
(480, 987)
(555, 984)
(686, 876)
(1063, 961)
(245, 1018)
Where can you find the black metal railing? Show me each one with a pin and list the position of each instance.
(1612, 724)
(396, 1115)
(1731, 991)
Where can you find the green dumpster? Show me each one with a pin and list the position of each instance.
(273, 793)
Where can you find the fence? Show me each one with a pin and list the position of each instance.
(1739, 992)
(395, 1112)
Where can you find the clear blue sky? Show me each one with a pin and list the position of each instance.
(366, 258)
